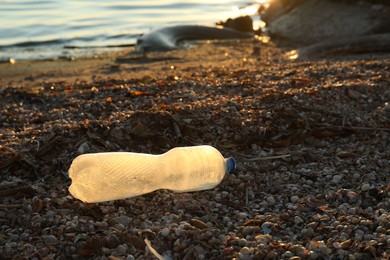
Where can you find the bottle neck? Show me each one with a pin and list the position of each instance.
(230, 165)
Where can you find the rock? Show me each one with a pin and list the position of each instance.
(271, 200)
(112, 241)
(297, 249)
(245, 250)
(121, 250)
(50, 240)
(243, 214)
(298, 220)
(83, 148)
(242, 23)
(365, 186)
(248, 230)
(337, 178)
(165, 232)
(294, 199)
(124, 220)
(313, 21)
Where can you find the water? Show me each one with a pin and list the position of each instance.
(40, 29)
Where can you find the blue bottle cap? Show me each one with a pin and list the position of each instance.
(231, 165)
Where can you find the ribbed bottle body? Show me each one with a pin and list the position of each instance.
(193, 168)
(110, 176)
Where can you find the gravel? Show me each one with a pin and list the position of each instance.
(311, 139)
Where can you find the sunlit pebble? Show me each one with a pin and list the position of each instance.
(245, 250)
(287, 255)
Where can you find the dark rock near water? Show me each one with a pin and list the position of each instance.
(242, 23)
(314, 21)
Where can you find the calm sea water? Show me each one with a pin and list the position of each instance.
(40, 29)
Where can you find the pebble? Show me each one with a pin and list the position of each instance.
(165, 232)
(313, 255)
(323, 249)
(112, 240)
(337, 178)
(298, 220)
(248, 230)
(287, 254)
(365, 187)
(121, 250)
(124, 220)
(271, 200)
(267, 225)
(50, 240)
(297, 249)
(245, 250)
(294, 199)
(243, 215)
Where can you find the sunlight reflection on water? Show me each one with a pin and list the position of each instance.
(99, 23)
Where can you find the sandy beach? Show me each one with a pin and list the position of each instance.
(311, 139)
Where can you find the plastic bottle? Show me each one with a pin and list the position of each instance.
(110, 176)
